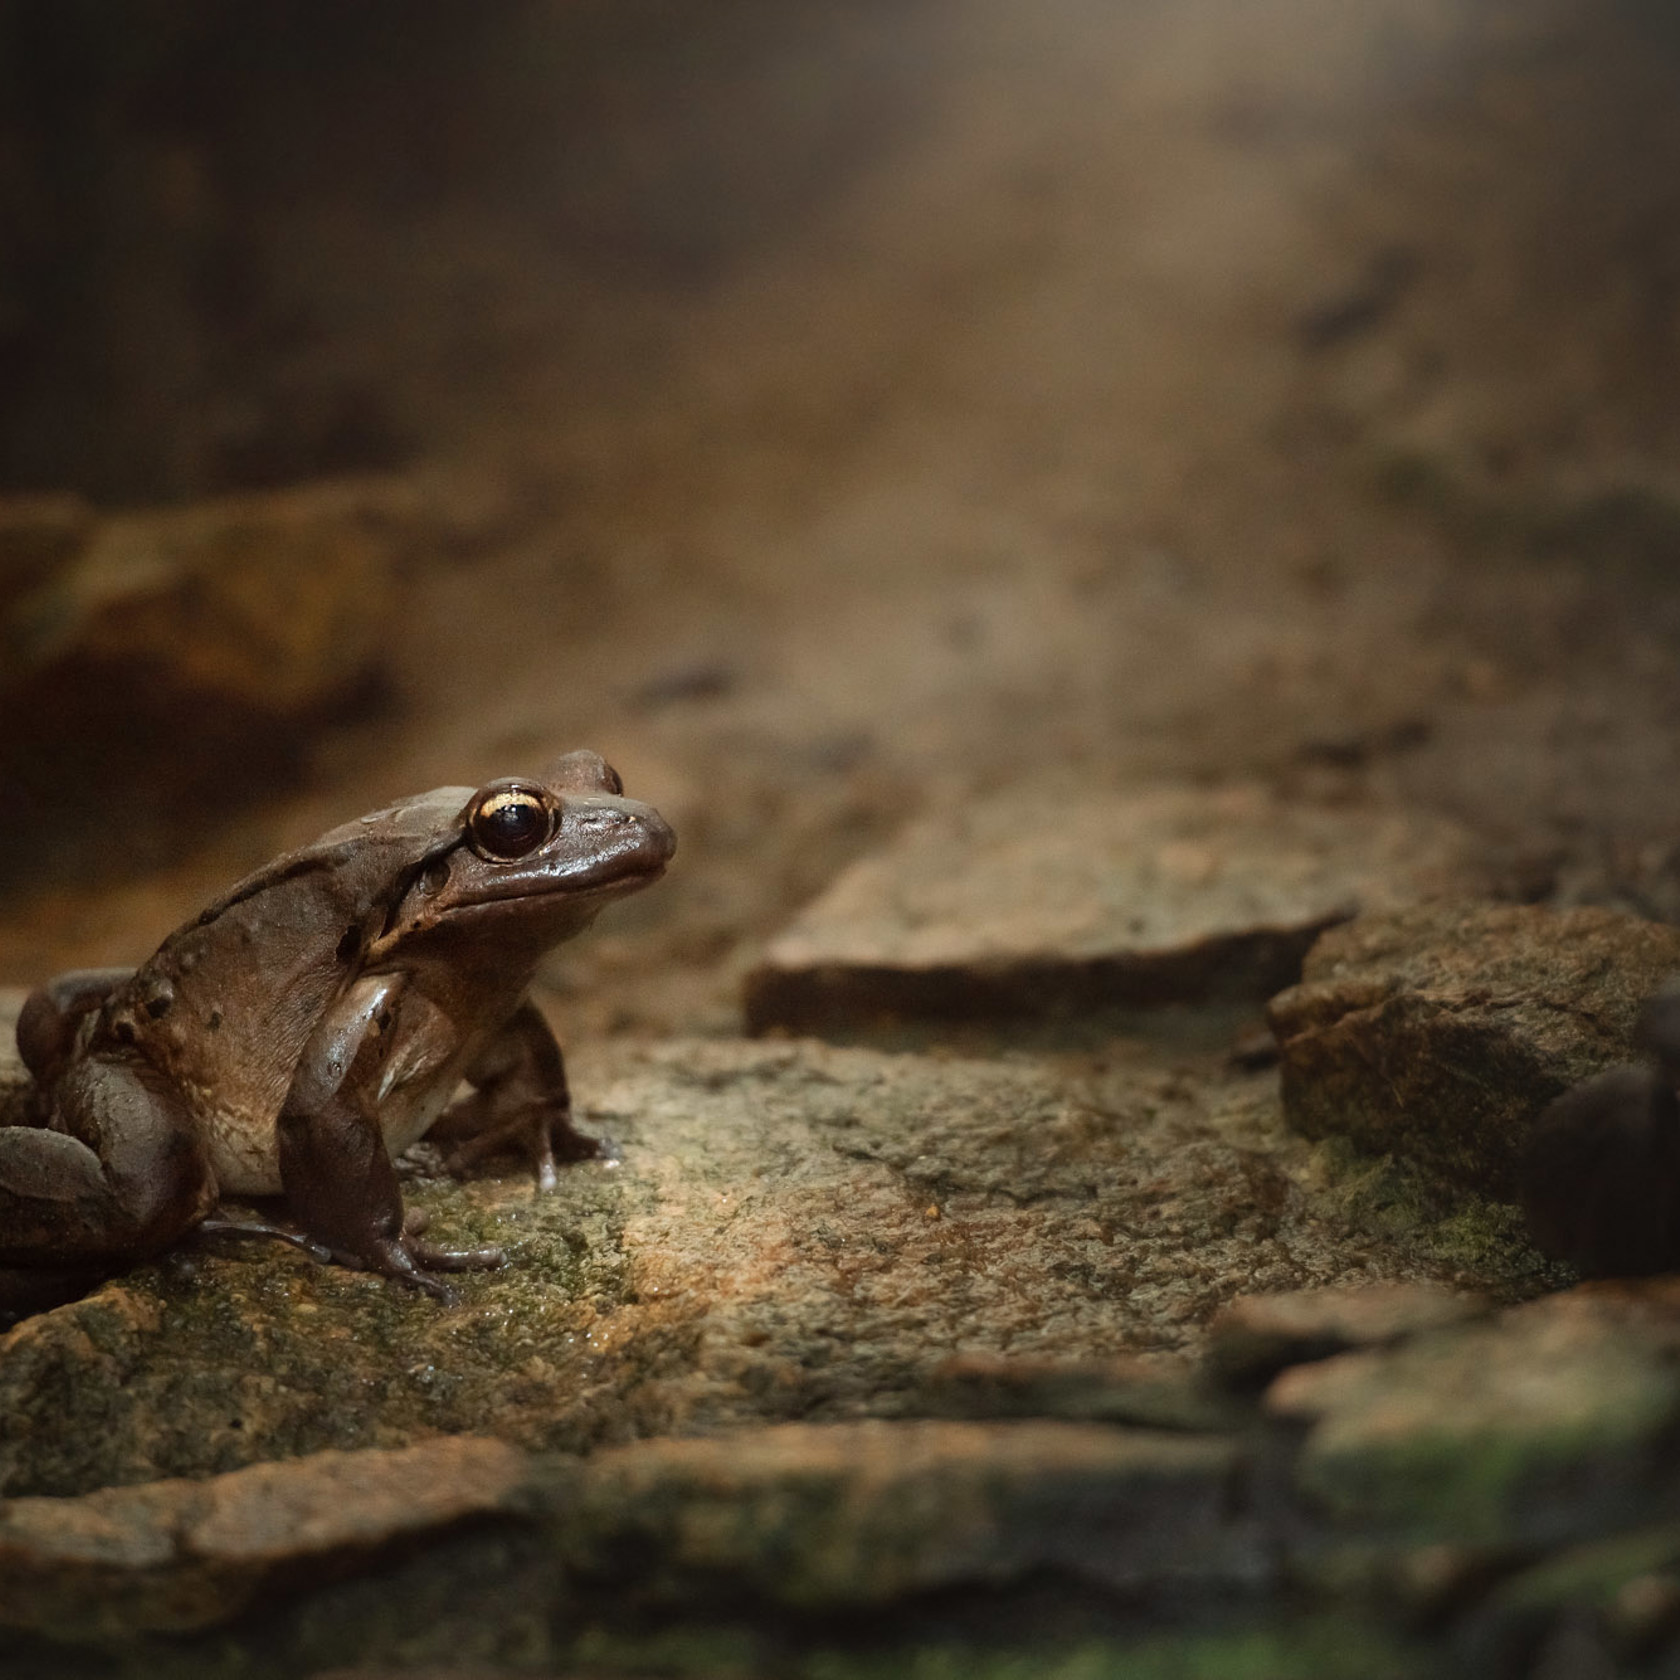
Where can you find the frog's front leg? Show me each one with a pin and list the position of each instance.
(520, 1098)
(116, 1174)
(334, 1165)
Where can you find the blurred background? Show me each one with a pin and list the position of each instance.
(831, 410)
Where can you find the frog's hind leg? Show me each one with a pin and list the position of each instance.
(119, 1175)
(520, 1100)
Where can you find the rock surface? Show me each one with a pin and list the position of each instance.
(788, 1231)
(1158, 1391)
(177, 1555)
(1414, 1465)
(1256, 1336)
(1534, 1428)
(811, 1517)
(1439, 1034)
(823, 1517)
(1039, 902)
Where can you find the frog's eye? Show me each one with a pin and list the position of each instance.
(509, 822)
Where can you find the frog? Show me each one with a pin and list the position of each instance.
(328, 1011)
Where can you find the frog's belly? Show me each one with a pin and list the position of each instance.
(246, 1156)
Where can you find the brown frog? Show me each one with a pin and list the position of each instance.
(314, 1022)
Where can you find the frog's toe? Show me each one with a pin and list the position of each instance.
(318, 1252)
(456, 1259)
(435, 1287)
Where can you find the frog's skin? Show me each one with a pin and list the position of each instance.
(312, 1023)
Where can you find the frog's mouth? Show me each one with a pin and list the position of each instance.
(600, 879)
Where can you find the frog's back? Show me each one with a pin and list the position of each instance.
(228, 1001)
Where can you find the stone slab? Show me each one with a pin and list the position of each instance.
(847, 1516)
(175, 1556)
(786, 1231)
(1440, 1033)
(1257, 1336)
(1150, 1390)
(1538, 1427)
(808, 1516)
(1035, 903)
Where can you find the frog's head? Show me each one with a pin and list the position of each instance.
(533, 857)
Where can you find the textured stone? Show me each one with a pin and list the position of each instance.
(1145, 1390)
(179, 1555)
(1622, 1592)
(1256, 1336)
(787, 1231)
(1537, 1427)
(1032, 903)
(817, 1517)
(1440, 1034)
(826, 1517)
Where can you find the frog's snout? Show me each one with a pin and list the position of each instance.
(661, 837)
(627, 826)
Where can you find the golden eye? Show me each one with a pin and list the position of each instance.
(509, 822)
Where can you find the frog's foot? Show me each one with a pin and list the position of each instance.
(520, 1101)
(417, 1222)
(436, 1259)
(541, 1130)
(254, 1228)
(558, 1140)
(410, 1262)
(406, 1259)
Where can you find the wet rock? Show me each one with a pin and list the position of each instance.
(1542, 1426)
(1257, 1336)
(1031, 904)
(1440, 1034)
(828, 1517)
(179, 1555)
(787, 1231)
